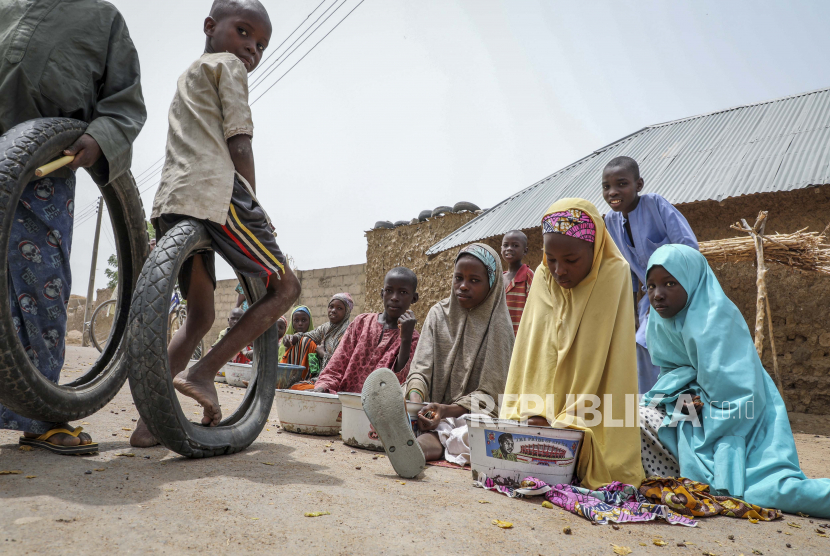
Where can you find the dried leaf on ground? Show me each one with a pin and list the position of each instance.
(567, 530)
(502, 524)
(101, 469)
(11, 472)
(547, 505)
(796, 525)
(126, 429)
(802, 514)
(25, 448)
(483, 502)
(621, 550)
(402, 482)
(126, 455)
(267, 463)
(316, 514)
(659, 542)
(31, 476)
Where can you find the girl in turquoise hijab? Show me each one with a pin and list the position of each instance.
(743, 446)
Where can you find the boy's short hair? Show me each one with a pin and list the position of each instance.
(405, 274)
(625, 162)
(517, 232)
(223, 8)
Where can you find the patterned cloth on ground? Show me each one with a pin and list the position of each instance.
(615, 502)
(40, 280)
(691, 498)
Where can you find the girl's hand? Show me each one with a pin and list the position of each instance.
(321, 353)
(430, 416)
(695, 405)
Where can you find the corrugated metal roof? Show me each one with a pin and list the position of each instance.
(777, 145)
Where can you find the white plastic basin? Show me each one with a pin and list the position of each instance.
(508, 452)
(307, 412)
(238, 374)
(356, 429)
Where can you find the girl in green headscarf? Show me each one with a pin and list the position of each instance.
(725, 421)
(303, 351)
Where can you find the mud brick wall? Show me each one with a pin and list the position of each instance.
(224, 299)
(322, 283)
(406, 246)
(799, 301)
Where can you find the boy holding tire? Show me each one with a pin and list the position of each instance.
(208, 176)
(73, 60)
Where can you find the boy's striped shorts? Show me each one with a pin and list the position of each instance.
(246, 240)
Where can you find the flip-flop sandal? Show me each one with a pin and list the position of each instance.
(41, 442)
(385, 407)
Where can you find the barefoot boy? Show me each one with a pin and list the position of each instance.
(639, 225)
(209, 176)
(73, 60)
(518, 277)
(374, 341)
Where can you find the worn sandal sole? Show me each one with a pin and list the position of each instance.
(64, 450)
(385, 407)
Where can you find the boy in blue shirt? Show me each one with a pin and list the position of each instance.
(639, 225)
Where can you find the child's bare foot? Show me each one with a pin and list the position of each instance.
(203, 391)
(142, 437)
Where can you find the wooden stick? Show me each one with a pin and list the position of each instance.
(757, 233)
(54, 165)
(774, 355)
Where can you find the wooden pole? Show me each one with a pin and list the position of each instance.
(91, 287)
(762, 306)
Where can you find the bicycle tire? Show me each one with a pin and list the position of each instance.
(149, 370)
(23, 389)
(95, 313)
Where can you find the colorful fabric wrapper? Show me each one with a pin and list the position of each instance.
(688, 497)
(572, 222)
(615, 502)
(484, 256)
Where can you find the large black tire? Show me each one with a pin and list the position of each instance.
(149, 370)
(23, 388)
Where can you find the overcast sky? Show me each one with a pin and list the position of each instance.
(408, 105)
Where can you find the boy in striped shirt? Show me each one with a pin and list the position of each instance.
(518, 277)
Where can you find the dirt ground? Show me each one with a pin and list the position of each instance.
(155, 502)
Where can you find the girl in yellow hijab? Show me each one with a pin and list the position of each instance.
(575, 346)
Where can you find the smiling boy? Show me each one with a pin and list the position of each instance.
(209, 176)
(639, 224)
(376, 340)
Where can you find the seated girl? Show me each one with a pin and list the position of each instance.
(301, 352)
(459, 366)
(327, 336)
(576, 340)
(724, 420)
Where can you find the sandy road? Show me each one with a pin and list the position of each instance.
(253, 502)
